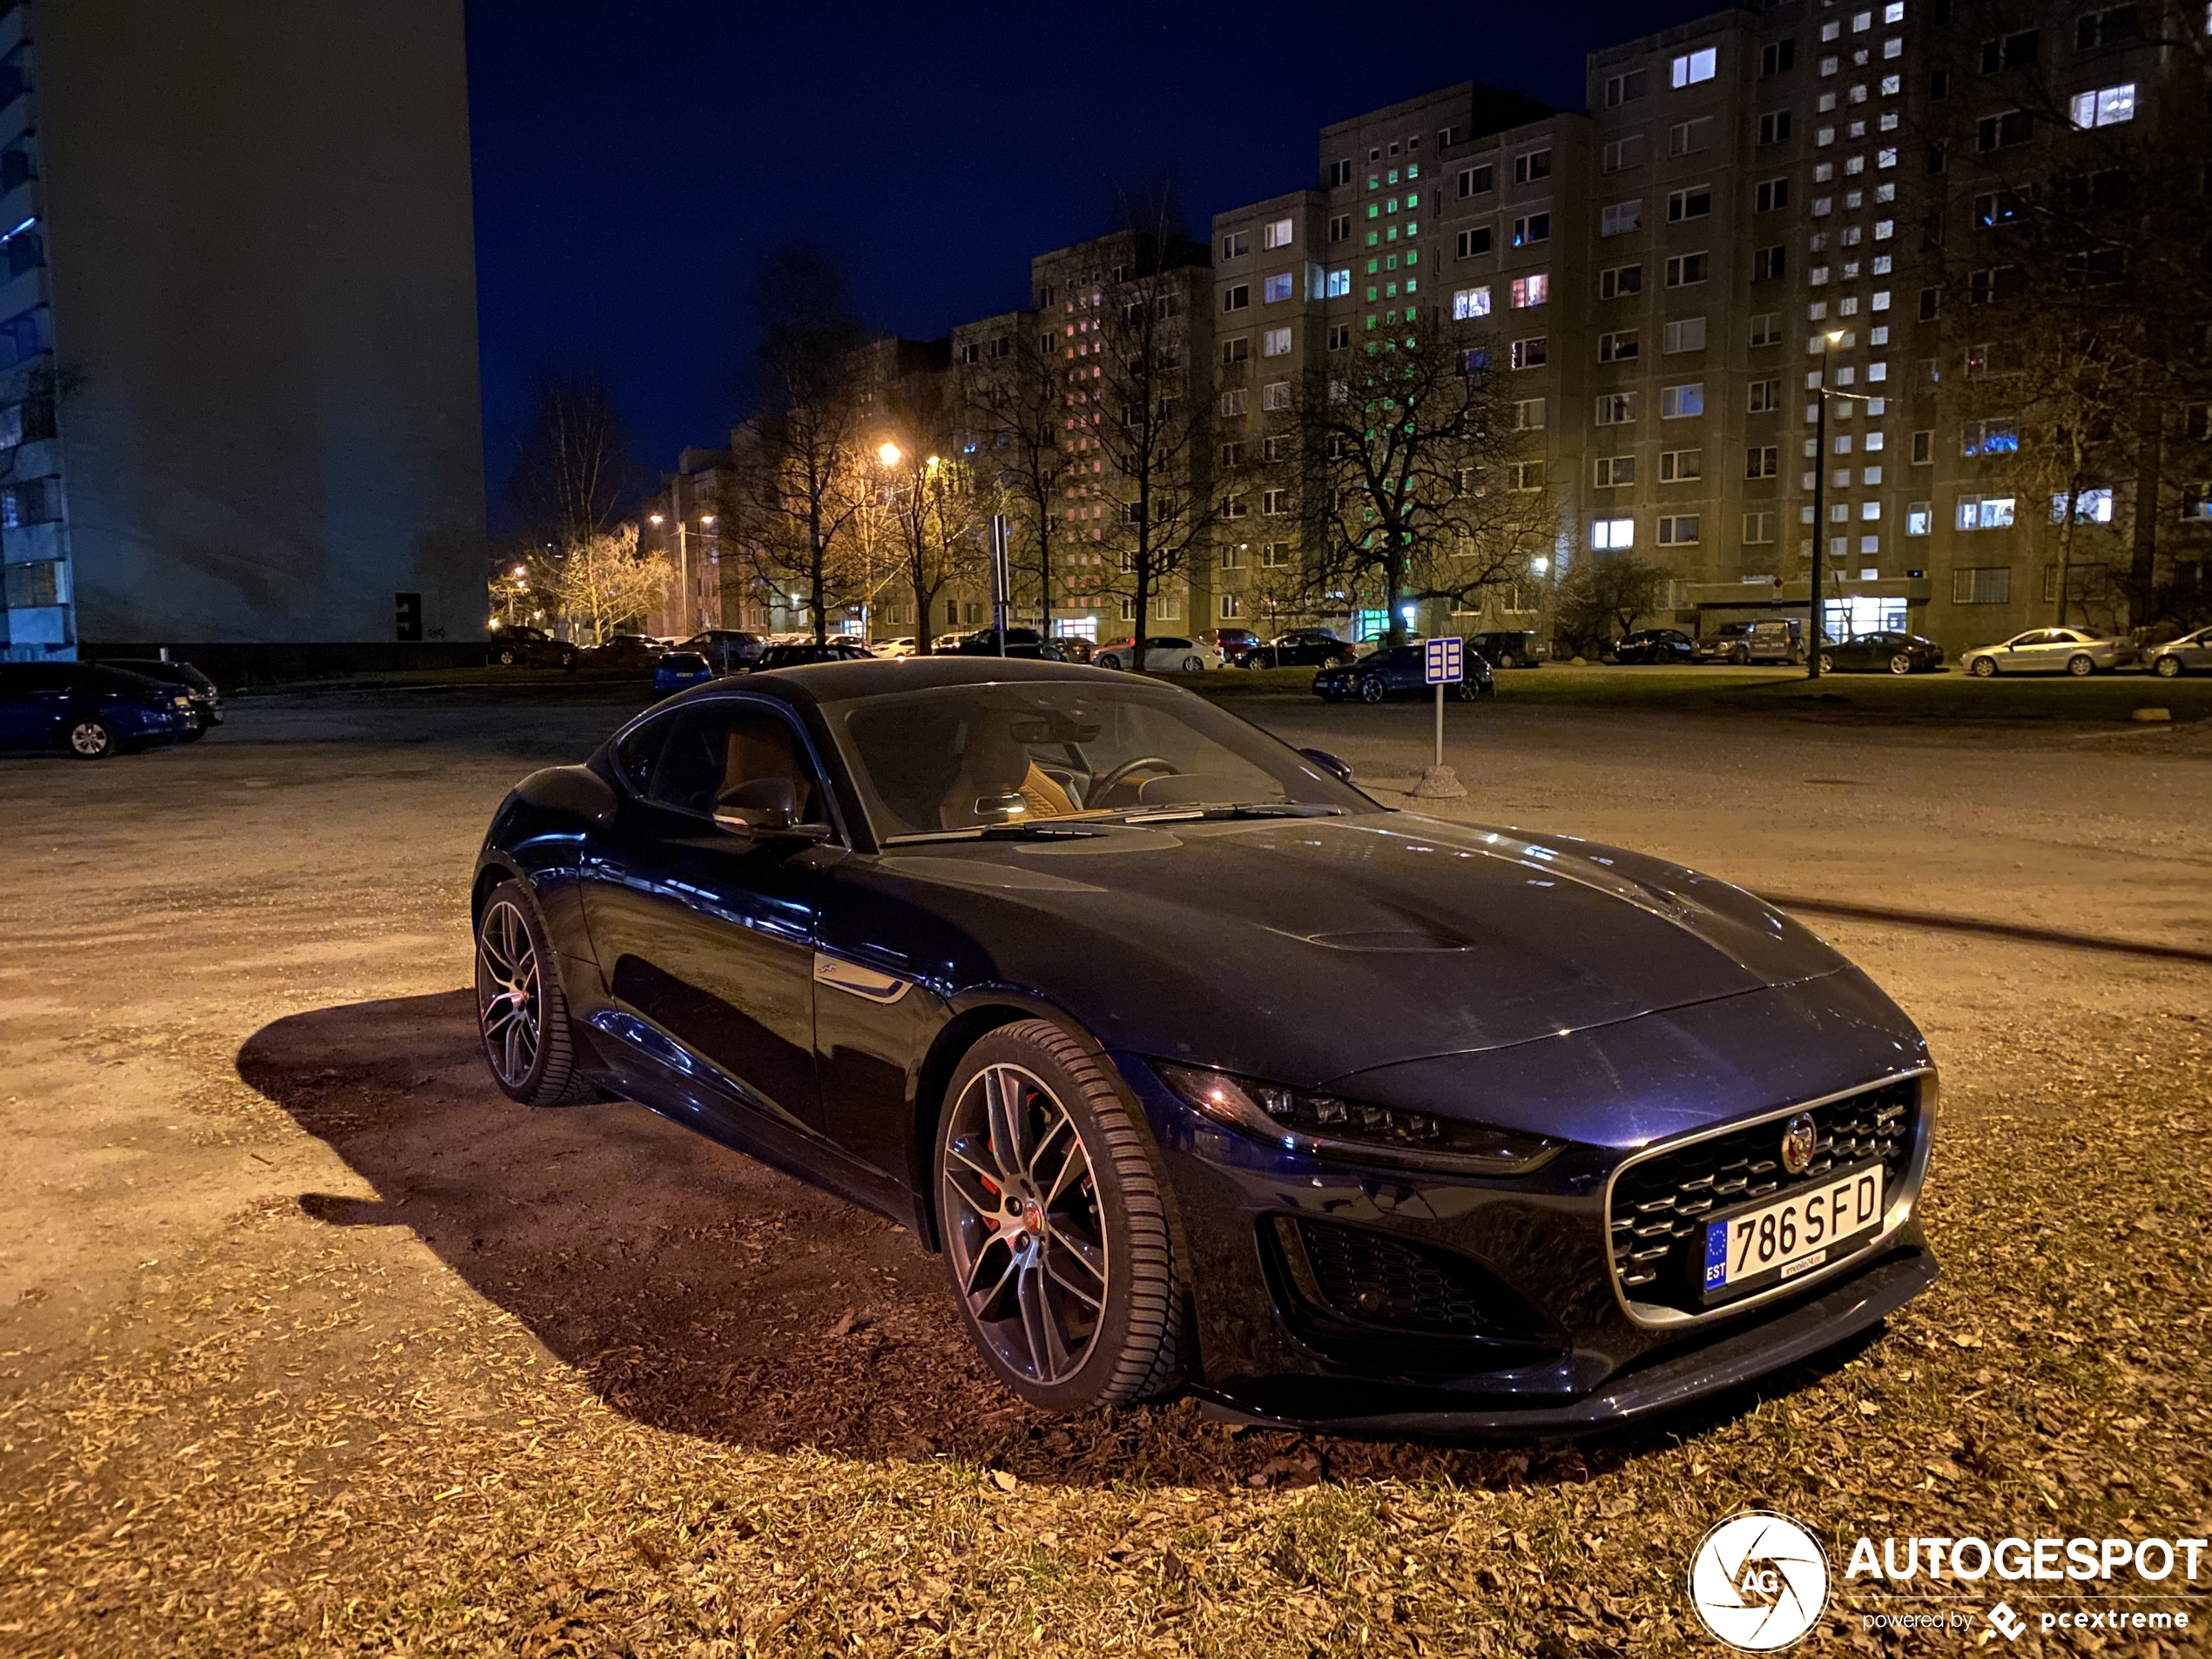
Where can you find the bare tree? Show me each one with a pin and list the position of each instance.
(1016, 406)
(576, 468)
(602, 581)
(800, 473)
(1412, 480)
(938, 502)
(1603, 597)
(1136, 400)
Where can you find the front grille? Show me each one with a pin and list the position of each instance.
(1373, 1278)
(1660, 1205)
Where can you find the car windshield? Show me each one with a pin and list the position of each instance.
(967, 758)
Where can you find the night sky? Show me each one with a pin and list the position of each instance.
(634, 161)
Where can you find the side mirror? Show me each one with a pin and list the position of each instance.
(1339, 770)
(763, 809)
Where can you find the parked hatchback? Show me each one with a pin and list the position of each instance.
(1511, 648)
(2049, 650)
(207, 701)
(2190, 654)
(679, 671)
(1648, 645)
(89, 709)
(520, 645)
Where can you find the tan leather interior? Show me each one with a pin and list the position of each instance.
(992, 767)
(758, 749)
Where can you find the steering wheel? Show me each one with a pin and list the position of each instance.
(1102, 788)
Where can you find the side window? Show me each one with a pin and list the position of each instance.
(634, 754)
(714, 747)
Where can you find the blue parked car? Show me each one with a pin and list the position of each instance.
(89, 709)
(679, 671)
(1398, 671)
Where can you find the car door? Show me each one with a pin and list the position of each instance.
(2195, 650)
(35, 700)
(2035, 652)
(708, 936)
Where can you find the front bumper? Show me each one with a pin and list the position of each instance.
(1533, 1332)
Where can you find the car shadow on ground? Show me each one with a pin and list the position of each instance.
(704, 1293)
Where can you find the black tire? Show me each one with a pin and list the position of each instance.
(2167, 668)
(1900, 663)
(1466, 690)
(1001, 1218)
(1110, 661)
(505, 657)
(2081, 665)
(1742, 657)
(1827, 664)
(1372, 688)
(1983, 668)
(567, 661)
(531, 1055)
(90, 737)
(1194, 665)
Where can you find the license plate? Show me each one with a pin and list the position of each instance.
(1780, 1240)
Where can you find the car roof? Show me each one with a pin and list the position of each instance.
(873, 676)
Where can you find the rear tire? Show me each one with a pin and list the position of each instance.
(522, 1013)
(1194, 665)
(2080, 666)
(1900, 663)
(1827, 664)
(2167, 668)
(91, 739)
(505, 658)
(1054, 1215)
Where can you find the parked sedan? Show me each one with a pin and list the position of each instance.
(1163, 654)
(906, 646)
(1889, 651)
(726, 650)
(2190, 654)
(207, 701)
(834, 650)
(90, 710)
(520, 645)
(679, 671)
(1020, 642)
(1300, 647)
(2050, 651)
(1652, 645)
(1398, 671)
(640, 653)
(1444, 1129)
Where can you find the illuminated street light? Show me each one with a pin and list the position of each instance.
(889, 453)
(706, 519)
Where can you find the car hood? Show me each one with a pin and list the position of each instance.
(1304, 950)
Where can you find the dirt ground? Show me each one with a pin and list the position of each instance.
(311, 1342)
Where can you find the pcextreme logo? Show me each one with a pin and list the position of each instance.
(1759, 1580)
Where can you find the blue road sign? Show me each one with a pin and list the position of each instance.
(1446, 662)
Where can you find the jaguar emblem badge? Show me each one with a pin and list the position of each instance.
(1800, 1140)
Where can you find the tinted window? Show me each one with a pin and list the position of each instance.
(634, 754)
(714, 747)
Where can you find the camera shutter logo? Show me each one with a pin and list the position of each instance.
(1759, 1580)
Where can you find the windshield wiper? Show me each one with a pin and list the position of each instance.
(996, 832)
(1242, 809)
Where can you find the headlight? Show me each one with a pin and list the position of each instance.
(1327, 1126)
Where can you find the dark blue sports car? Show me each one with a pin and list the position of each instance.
(1203, 1070)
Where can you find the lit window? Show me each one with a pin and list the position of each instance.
(1693, 67)
(1529, 353)
(1986, 512)
(1277, 288)
(1536, 227)
(1277, 234)
(1531, 290)
(1276, 342)
(1276, 394)
(1678, 402)
(1989, 438)
(1919, 519)
(2104, 106)
(1613, 535)
(2090, 506)
(1471, 302)
(1340, 284)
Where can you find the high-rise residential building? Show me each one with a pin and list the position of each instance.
(238, 333)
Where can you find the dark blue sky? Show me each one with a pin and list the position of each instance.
(633, 161)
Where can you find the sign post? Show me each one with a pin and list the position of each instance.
(1443, 663)
(1001, 579)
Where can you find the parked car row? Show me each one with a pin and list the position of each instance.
(1400, 671)
(96, 710)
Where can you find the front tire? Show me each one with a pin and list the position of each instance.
(1057, 1244)
(2167, 668)
(91, 739)
(1984, 668)
(1372, 688)
(521, 1015)
(506, 657)
(1827, 664)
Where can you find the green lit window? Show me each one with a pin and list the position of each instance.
(1393, 175)
(1413, 227)
(1412, 256)
(1413, 200)
(1374, 182)
(1374, 210)
(1371, 238)
(1371, 268)
(1413, 169)
(1371, 348)
(1391, 263)
(1391, 289)
(1371, 294)
(1393, 233)
(1391, 206)
(1371, 320)
(1412, 286)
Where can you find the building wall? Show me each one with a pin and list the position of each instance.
(264, 311)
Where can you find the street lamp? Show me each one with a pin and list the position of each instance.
(1828, 343)
(889, 452)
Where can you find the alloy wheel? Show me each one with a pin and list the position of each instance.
(91, 741)
(509, 1000)
(2166, 667)
(1900, 663)
(1023, 1225)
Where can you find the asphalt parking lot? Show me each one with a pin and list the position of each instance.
(313, 1343)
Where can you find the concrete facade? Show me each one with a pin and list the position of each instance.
(257, 304)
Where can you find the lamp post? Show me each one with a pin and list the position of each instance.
(1828, 342)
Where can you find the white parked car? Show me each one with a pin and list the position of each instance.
(1163, 654)
(902, 647)
(2190, 654)
(2049, 650)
